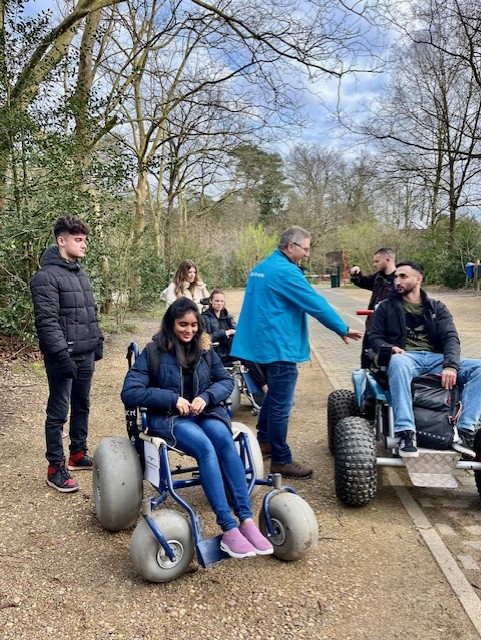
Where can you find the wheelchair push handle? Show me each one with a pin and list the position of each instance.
(364, 312)
(132, 353)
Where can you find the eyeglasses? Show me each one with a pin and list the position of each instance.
(306, 249)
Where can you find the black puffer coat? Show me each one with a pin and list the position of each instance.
(216, 327)
(65, 311)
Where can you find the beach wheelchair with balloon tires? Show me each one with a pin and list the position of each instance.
(168, 536)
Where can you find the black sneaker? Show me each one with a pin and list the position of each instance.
(79, 461)
(407, 446)
(59, 478)
(465, 444)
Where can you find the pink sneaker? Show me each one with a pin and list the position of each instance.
(261, 544)
(234, 544)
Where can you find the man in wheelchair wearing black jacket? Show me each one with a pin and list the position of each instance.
(423, 339)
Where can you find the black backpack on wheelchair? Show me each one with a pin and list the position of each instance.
(436, 410)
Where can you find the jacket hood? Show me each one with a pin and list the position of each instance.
(51, 255)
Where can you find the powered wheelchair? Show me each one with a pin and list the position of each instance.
(165, 539)
(360, 435)
(247, 377)
(245, 386)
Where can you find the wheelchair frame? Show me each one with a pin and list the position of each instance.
(121, 464)
(360, 420)
(245, 386)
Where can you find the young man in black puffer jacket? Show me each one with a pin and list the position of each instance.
(71, 341)
(422, 338)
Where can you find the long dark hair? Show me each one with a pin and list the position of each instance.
(187, 354)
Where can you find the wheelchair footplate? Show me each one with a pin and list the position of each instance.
(433, 468)
(209, 552)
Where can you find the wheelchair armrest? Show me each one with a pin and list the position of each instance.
(143, 418)
(384, 357)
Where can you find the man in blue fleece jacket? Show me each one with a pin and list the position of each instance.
(272, 330)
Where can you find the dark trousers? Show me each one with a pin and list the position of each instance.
(276, 408)
(65, 394)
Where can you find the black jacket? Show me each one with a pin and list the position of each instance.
(65, 311)
(217, 327)
(380, 284)
(210, 381)
(389, 327)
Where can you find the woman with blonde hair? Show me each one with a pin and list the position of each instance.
(186, 283)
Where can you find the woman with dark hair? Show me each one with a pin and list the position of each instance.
(184, 409)
(188, 283)
(220, 324)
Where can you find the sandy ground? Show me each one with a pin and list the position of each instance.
(62, 575)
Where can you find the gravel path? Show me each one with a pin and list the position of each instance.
(62, 575)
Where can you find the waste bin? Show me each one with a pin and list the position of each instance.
(334, 280)
(469, 269)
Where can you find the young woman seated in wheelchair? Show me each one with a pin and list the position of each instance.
(184, 405)
(221, 326)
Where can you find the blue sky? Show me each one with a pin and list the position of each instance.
(327, 96)
(321, 99)
(35, 6)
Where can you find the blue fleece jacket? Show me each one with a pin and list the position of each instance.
(272, 325)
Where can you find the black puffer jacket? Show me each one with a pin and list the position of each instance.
(216, 327)
(389, 328)
(65, 310)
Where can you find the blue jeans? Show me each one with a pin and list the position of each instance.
(64, 394)
(403, 368)
(276, 409)
(210, 442)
